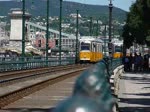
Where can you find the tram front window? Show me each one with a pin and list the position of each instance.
(117, 49)
(85, 46)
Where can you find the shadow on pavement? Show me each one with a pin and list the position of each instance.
(141, 94)
(143, 83)
(136, 101)
(139, 101)
(145, 87)
(27, 110)
(134, 109)
(141, 79)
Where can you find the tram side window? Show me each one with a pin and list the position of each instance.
(85, 46)
(97, 48)
(94, 47)
(100, 48)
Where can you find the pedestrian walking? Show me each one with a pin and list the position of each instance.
(132, 60)
(146, 62)
(138, 62)
(126, 63)
(149, 62)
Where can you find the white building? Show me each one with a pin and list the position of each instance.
(16, 27)
(73, 15)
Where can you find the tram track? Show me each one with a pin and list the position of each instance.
(12, 96)
(6, 75)
(14, 77)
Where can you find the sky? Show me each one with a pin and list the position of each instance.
(123, 4)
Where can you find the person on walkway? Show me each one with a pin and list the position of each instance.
(149, 63)
(126, 63)
(132, 60)
(141, 62)
(138, 62)
(146, 62)
(135, 62)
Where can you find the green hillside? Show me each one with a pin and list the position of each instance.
(38, 8)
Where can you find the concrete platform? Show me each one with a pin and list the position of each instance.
(44, 100)
(16, 86)
(134, 92)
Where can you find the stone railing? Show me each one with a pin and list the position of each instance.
(92, 91)
(114, 82)
(115, 78)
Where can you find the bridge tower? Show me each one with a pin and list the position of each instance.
(16, 27)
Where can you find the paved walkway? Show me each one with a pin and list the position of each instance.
(134, 92)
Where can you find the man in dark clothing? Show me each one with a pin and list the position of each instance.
(145, 62)
(132, 60)
(126, 63)
(138, 62)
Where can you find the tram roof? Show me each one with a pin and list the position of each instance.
(118, 43)
(89, 39)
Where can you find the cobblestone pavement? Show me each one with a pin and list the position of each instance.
(134, 92)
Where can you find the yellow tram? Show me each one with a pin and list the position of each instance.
(90, 50)
(117, 49)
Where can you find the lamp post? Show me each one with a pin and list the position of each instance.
(23, 29)
(90, 26)
(60, 18)
(47, 33)
(105, 39)
(97, 28)
(77, 31)
(110, 24)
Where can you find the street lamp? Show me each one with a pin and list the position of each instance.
(110, 24)
(105, 39)
(23, 28)
(77, 31)
(47, 32)
(97, 28)
(60, 18)
(90, 26)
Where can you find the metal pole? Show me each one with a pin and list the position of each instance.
(23, 29)
(77, 27)
(113, 31)
(110, 24)
(105, 40)
(97, 29)
(90, 26)
(47, 33)
(60, 18)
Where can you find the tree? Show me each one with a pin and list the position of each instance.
(138, 23)
(127, 37)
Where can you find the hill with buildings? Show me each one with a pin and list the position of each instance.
(38, 8)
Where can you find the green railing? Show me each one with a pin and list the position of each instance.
(19, 63)
(92, 90)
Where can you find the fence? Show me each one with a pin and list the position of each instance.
(19, 63)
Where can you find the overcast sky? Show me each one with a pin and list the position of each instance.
(123, 4)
